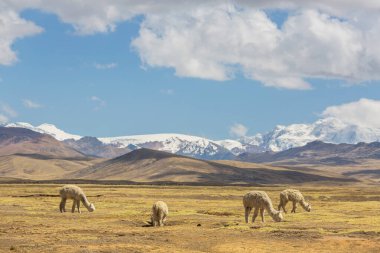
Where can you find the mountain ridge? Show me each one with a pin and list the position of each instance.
(318, 152)
(328, 130)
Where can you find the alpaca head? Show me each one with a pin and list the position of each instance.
(277, 216)
(308, 207)
(91, 208)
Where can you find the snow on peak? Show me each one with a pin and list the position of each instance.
(46, 129)
(20, 124)
(57, 133)
(331, 130)
(230, 144)
(173, 143)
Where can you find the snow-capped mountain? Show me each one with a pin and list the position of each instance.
(46, 129)
(238, 147)
(173, 143)
(330, 130)
(181, 144)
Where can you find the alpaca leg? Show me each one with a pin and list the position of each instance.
(62, 205)
(160, 220)
(154, 221)
(294, 207)
(255, 213)
(247, 212)
(164, 219)
(262, 214)
(73, 207)
(283, 206)
(78, 204)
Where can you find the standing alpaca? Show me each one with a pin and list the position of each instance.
(75, 193)
(159, 212)
(260, 201)
(296, 197)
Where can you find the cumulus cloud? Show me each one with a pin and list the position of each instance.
(364, 112)
(31, 104)
(219, 39)
(218, 43)
(238, 130)
(105, 66)
(12, 27)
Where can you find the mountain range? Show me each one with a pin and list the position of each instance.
(329, 130)
(29, 155)
(317, 153)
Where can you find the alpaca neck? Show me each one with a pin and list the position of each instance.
(271, 211)
(304, 204)
(85, 201)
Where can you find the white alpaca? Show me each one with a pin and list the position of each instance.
(260, 201)
(159, 213)
(77, 195)
(296, 197)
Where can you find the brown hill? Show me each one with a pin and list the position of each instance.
(145, 165)
(25, 141)
(39, 167)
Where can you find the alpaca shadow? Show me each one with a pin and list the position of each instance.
(167, 224)
(147, 224)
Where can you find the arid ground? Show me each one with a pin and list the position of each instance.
(201, 219)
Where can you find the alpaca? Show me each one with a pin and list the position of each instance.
(260, 201)
(75, 193)
(159, 212)
(296, 197)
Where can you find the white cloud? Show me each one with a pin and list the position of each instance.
(238, 130)
(3, 119)
(364, 112)
(12, 27)
(99, 102)
(30, 104)
(219, 39)
(217, 43)
(106, 65)
(7, 110)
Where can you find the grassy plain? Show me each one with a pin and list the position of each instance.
(201, 219)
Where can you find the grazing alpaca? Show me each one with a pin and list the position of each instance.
(296, 197)
(75, 193)
(260, 201)
(159, 213)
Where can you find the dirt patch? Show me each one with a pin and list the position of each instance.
(364, 234)
(216, 213)
(295, 234)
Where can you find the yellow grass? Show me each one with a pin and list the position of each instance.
(201, 219)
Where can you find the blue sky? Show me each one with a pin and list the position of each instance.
(99, 85)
